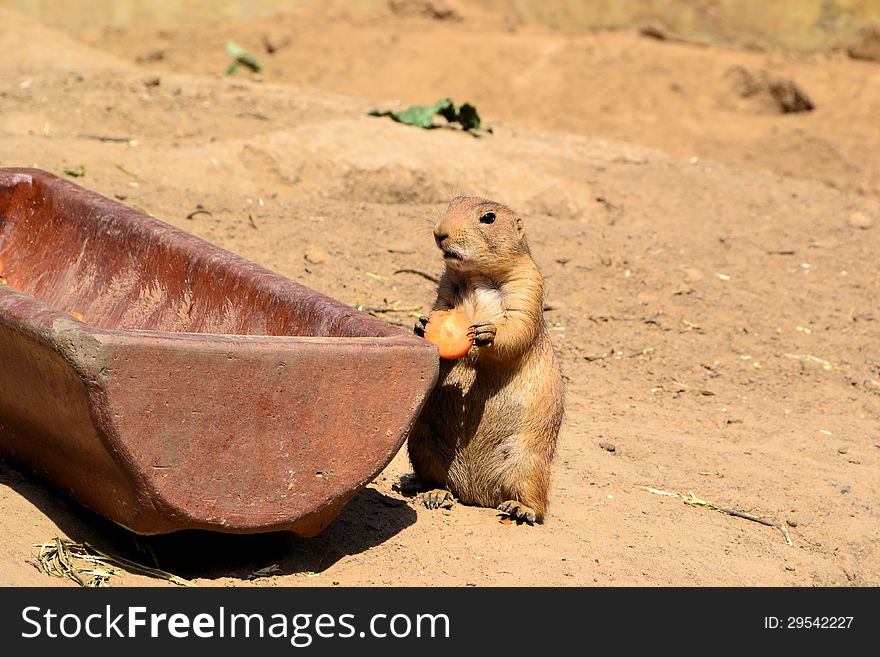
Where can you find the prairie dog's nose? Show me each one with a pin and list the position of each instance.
(439, 236)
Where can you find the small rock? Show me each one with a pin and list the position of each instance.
(152, 81)
(608, 447)
(842, 450)
(316, 255)
(791, 522)
(789, 568)
(859, 220)
(845, 489)
(653, 31)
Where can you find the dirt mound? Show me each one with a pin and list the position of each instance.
(670, 95)
(716, 324)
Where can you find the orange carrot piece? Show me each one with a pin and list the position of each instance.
(448, 330)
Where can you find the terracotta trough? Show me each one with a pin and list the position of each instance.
(169, 384)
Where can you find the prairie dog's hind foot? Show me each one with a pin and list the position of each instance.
(438, 499)
(519, 511)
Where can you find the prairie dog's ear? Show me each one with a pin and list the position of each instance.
(518, 222)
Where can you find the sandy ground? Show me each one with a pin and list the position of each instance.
(710, 264)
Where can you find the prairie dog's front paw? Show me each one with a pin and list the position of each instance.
(482, 333)
(419, 329)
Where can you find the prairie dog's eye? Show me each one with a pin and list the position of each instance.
(487, 218)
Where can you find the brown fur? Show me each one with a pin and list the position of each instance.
(488, 431)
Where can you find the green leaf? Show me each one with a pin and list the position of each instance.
(423, 116)
(241, 56)
(76, 172)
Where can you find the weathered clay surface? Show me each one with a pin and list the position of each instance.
(169, 384)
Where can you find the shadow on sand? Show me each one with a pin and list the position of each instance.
(369, 519)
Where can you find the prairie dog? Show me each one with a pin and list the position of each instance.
(488, 431)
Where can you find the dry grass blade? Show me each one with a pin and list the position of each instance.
(808, 358)
(128, 173)
(770, 522)
(693, 500)
(268, 571)
(137, 568)
(55, 560)
(59, 558)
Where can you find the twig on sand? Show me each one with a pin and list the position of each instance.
(199, 210)
(693, 500)
(387, 309)
(433, 279)
(116, 140)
